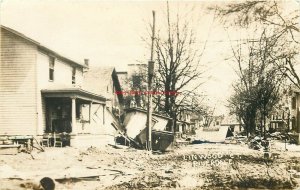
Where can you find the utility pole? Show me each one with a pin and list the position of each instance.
(150, 76)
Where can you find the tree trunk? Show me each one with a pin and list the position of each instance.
(167, 96)
(252, 125)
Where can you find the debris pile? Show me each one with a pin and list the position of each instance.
(238, 139)
(287, 137)
(251, 172)
(148, 180)
(204, 166)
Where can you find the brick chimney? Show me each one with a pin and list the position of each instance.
(86, 62)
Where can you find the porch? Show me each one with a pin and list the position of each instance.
(68, 113)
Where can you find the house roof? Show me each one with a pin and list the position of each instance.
(181, 121)
(229, 124)
(97, 79)
(42, 47)
(122, 72)
(145, 111)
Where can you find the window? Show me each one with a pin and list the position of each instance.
(51, 68)
(73, 75)
(293, 123)
(85, 113)
(294, 103)
(136, 81)
(78, 111)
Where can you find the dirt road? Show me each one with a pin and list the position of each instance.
(203, 166)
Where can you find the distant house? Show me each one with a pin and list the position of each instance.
(294, 107)
(104, 81)
(134, 80)
(233, 123)
(42, 92)
(286, 117)
(217, 120)
(183, 124)
(197, 121)
(182, 127)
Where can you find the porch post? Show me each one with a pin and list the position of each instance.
(103, 114)
(90, 112)
(74, 127)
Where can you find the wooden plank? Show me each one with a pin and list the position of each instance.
(9, 149)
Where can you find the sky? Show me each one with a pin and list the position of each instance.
(109, 33)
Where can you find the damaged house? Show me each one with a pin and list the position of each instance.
(43, 96)
(134, 116)
(135, 124)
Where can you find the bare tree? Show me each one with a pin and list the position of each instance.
(178, 62)
(280, 19)
(258, 90)
(276, 51)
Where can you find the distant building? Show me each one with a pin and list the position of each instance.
(183, 124)
(232, 122)
(137, 69)
(105, 81)
(286, 116)
(134, 80)
(197, 121)
(123, 79)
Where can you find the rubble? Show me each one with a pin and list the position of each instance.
(110, 168)
(148, 180)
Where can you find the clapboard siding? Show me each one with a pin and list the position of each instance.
(62, 78)
(17, 85)
(62, 73)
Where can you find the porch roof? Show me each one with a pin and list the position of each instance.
(73, 93)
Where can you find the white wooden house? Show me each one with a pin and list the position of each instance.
(42, 92)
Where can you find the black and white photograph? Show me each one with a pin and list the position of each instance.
(147, 94)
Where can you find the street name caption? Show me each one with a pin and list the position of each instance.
(211, 159)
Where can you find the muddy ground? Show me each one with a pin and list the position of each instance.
(202, 166)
